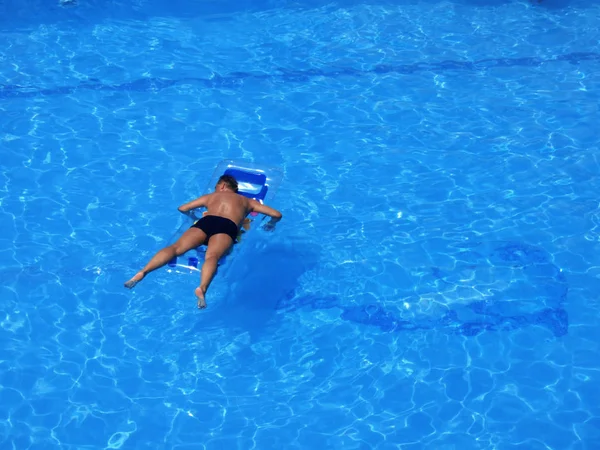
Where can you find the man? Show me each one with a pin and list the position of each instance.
(217, 229)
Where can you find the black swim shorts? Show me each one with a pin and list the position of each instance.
(212, 225)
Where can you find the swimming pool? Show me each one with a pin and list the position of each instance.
(433, 283)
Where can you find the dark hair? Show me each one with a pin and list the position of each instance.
(229, 181)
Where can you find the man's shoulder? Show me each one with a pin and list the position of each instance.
(248, 201)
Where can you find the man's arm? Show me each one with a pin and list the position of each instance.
(267, 211)
(198, 203)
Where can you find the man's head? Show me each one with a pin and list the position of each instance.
(227, 182)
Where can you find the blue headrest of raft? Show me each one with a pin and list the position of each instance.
(258, 180)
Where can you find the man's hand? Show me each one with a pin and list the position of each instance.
(270, 225)
(190, 214)
(275, 215)
(194, 204)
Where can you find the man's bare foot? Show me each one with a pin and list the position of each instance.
(135, 280)
(200, 291)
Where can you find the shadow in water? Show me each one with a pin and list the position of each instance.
(254, 283)
(536, 296)
(262, 281)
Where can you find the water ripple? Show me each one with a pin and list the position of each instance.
(236, 79)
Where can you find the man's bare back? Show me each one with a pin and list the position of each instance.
(229, 205)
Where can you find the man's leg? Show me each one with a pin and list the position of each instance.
(217, 246)
(192, 238)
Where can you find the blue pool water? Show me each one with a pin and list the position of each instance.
(434, 283)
